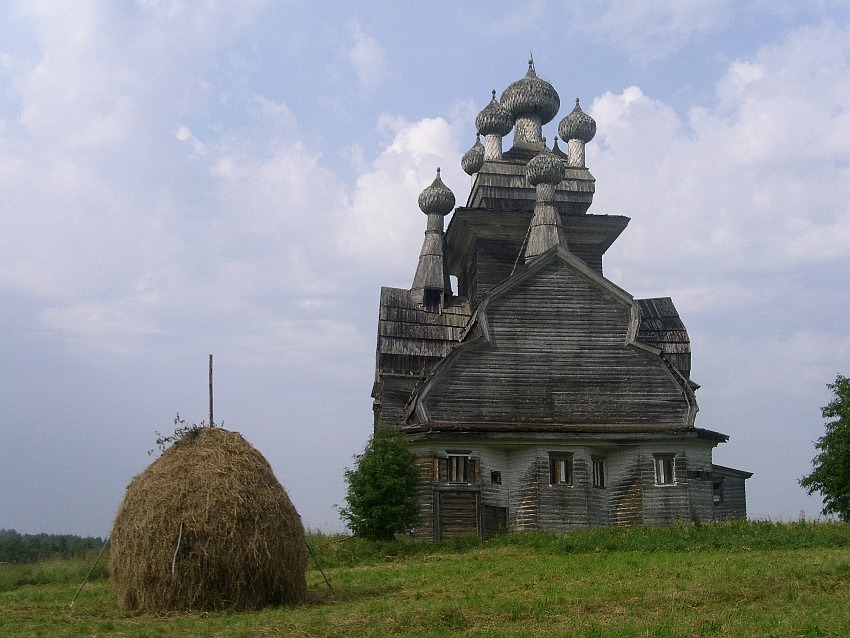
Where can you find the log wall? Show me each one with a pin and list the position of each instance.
(525, 499)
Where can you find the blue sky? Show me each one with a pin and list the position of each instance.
(184, 178)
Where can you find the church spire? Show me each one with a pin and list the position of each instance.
(431, 284)
(545, 171)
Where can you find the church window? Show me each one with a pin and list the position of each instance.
(598, 472)
(560, 468)
(458, 468)
(664, 469)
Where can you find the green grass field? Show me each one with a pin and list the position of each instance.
(742, 579)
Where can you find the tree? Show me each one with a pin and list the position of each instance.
(381, 493)
(831, 467)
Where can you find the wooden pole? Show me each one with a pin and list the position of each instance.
(212, 423)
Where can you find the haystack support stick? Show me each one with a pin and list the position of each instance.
(212, 423)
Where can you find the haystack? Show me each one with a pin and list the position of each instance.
(208, 526)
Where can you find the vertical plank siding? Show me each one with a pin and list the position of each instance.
(458, 514)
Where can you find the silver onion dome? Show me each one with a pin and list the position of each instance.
(494, 119)
(531, 96)
(544, 168)
(473, 159)
(578, 125)
(437, 198)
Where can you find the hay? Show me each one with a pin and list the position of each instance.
(207, 526)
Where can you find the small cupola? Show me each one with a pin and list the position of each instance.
(577, 128)
(431, 286)
(473, 159)
(494, 122)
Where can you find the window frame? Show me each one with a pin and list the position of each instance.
(665, 468)
(457, 468)
(598, 471)
(561, 469)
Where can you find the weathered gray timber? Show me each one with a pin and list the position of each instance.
(411, 340)
(501, 185)
(628, 494)
(662, 328)
(539, 394)
(485, 247)
(729, 493)
(579, 348)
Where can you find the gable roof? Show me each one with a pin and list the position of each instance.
(555, 344)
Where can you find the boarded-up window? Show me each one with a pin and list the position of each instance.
(664, 469)
(560, 468)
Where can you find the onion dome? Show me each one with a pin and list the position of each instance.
(531, 96)
(437, 198)
(578, 125)
(473, 159)
(544, 168)
(494, 119)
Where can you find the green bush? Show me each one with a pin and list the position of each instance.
(381, 493)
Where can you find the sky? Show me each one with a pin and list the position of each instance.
(184, 178)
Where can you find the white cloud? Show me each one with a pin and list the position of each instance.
(366, 57)
(272, 109)
(185, 135)
(384, 228)
(758, 179)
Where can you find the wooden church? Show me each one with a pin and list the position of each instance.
(539, 394)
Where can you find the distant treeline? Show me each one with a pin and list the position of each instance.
(28, 548)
